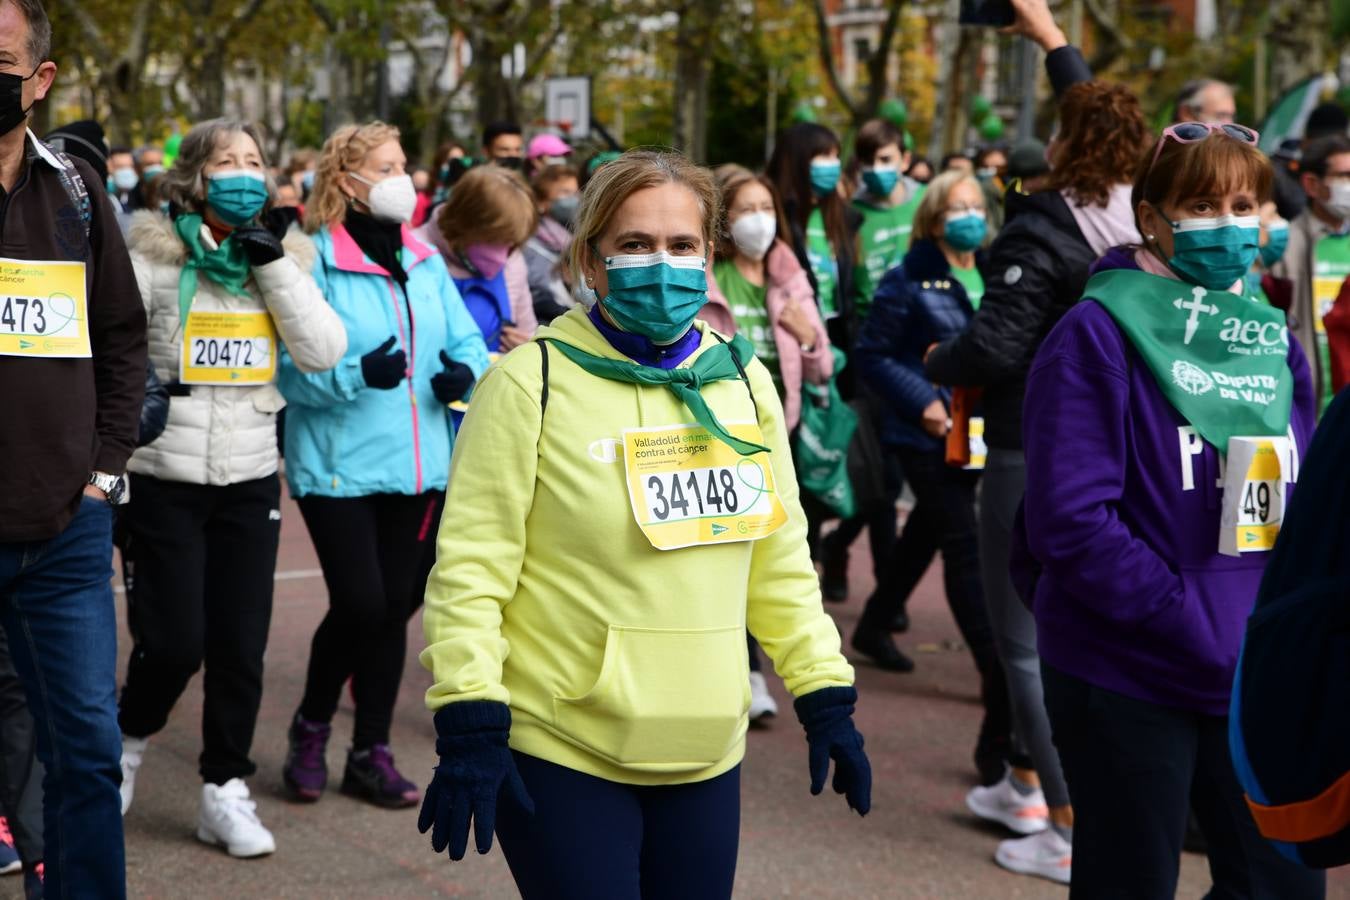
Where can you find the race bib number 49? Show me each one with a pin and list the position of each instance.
(690, 489)
(225, 348)
(43, 310)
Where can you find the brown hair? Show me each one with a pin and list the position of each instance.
(183, 184)
(1213, 167)
(344, 151)
(730, 179)
(548, 176)
(930, 219)
(872, 136)
(637, 170)
(1101, 136)
(489, 205)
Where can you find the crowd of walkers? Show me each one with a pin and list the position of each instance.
(528, 395)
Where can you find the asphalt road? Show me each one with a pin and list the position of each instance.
(918, 842)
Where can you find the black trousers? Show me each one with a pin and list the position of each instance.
(199, 562)
(943, 520)
(1134, 768)
(20, 771)
(376, 553)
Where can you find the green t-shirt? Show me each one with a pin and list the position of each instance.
(970, 280)
(1331, 266)
(884, 239)
(748, 308)
(824, 266)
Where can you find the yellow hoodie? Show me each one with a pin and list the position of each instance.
(617, 659)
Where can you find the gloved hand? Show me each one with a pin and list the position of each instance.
(475, 766)
(260, 245)
(454, 382)
(827, 716)
(384, 370)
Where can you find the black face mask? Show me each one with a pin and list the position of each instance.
(12, 112)
(510, 162)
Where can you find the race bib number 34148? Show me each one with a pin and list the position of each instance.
(43, 310)
(690, 489)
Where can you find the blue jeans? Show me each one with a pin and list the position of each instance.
(56, 605)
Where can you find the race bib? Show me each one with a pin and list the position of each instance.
(979, 451)
(228, 348)
(690, 489)
(1253, 495)
(44, 310)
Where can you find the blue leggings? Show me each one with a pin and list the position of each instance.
(592, 838)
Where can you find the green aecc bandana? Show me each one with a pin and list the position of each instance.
(714, 364)
(1220, 359)
(227, 265)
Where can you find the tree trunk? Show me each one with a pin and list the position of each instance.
(693, 72)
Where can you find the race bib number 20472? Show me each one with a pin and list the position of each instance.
(688, 488)
(43, 310)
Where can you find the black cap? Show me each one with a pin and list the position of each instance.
(85, 140)
(1027, 159)
(1327, 119)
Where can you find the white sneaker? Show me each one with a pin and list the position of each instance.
(133, 751)
(762, 705)
(1046, 854)
(1002, 804)
(228, 820)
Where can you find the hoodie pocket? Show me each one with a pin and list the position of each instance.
(666, 700)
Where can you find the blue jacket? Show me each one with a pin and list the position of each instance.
(917, 304)
(344, 439)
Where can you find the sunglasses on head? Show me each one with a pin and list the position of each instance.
(1194, 132)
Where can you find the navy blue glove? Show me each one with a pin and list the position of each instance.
(382, 369)
(476, 765)
(452, 383)
(827, 716)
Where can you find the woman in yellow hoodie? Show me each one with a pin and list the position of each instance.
(622, 505)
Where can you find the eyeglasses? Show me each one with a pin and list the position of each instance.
(1194, 132)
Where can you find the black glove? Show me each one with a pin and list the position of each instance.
(454, 382)
(260, 245)
(827, 715)
(476, 764)
(384, 370)
(279, 220)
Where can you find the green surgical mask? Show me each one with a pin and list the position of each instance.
(824, 176)
(1214, 253)
(655, 295)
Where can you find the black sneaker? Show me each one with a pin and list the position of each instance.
(880, 647)
(370, 775)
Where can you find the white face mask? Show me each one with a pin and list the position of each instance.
(1339, 203)
(754, 233)
(392, 200)
(125, 179)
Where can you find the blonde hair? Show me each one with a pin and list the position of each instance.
(344, 151)
(488, 205)
(637, 170)
(931, 218)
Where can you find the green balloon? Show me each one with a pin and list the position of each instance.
(980, 108)
(171, 148)
(991, 129)
(909, 142)
(895, 112)
(1343, 96)
(804, 112)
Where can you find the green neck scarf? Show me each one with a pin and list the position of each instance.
(227, 265)
(721, 363)
(1221, 360)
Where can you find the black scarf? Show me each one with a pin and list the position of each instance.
(381, 241)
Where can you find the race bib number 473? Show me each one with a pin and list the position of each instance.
(690, 489)
(43, 310)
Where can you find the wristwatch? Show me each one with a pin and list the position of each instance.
(115, 486)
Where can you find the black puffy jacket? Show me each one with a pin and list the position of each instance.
(1037, 269)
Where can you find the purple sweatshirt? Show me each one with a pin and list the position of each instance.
(1122, 515)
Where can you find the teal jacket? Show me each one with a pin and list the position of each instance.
(344, 439)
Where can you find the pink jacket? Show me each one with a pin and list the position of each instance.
(516, 272)
(787, 282)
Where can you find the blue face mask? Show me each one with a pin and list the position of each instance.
(965, 231)
(1214, 253)
(1277, 239)
(824, 176)
(307, 180)
(236, 196)
(655, 295)
(880, 180)
(152, 172)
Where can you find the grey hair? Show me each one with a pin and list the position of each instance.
(183, 185)
(39, 30)
(1189, 95)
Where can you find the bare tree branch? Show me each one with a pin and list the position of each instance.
(827, 60)
(877, 63)
(89, 26)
